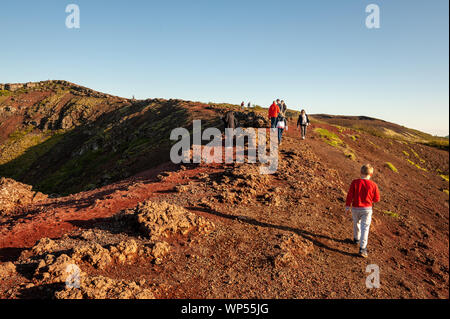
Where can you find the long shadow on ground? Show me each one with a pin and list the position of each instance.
(303, 233)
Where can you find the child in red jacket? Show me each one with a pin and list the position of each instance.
(362, 194)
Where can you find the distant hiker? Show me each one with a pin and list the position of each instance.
(242, 105)
(230, 120)
(273, 113)
(362, 194)
(281, 126)
(283, 108)
(248, 105)
(303, 122)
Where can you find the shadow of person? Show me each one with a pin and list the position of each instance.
(303, 233)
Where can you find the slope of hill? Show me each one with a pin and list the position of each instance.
(160, 230)
(383, 129)
(63, 138)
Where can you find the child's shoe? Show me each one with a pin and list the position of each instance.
(363, 253)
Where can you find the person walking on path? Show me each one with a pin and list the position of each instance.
(230, 120)
(281, 126)
(303, 122)
(273, 114)
(362, 194)
(242, 105)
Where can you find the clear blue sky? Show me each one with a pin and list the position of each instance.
(315, 54)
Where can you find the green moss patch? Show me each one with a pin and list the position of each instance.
(417, 156)
(391, 214)
(416, 165)
(329, 137)
(391, 167)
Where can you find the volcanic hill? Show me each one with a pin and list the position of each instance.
(88, 192)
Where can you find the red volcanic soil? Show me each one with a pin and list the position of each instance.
(284, 235)
(53, 217)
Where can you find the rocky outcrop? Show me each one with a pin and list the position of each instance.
(61, 263)
(75, 266)
(14, 194)
(54, 269)
(237, 185)
(7, 269)
(93, 253)
(251, 119)
(100, 287)
(160, 219)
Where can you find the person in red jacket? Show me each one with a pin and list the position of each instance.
(362, 194)
(273, 114)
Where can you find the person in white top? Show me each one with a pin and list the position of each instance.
(281, 125)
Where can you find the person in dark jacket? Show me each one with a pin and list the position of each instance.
(230, 120)
(303, 122)
(283, 108)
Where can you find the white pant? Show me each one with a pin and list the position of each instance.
(361, 224)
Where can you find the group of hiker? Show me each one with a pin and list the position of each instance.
(277, 117)
(243, 105)
(362, 193)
